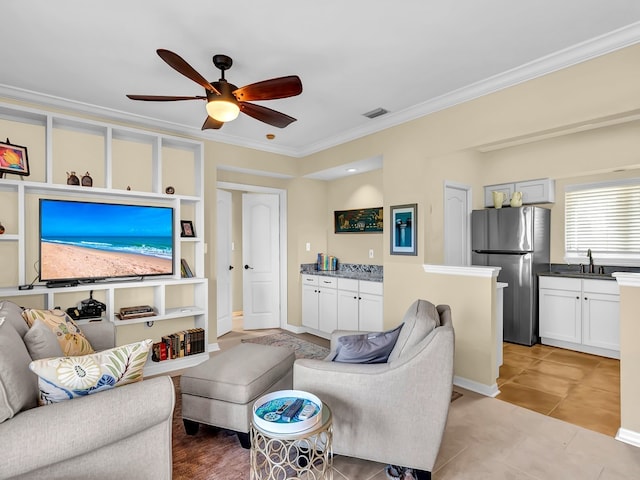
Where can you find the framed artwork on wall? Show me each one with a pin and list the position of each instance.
(403, 229)
(13, 159)
(363, 220)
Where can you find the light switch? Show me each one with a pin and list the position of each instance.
(308, 247)
(371, 253)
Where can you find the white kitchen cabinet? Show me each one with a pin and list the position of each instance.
(331, 303)
(542, 190)
(360, 305)
(319, 303)
(580, 314)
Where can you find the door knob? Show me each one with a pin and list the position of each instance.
(230, 267)
(247, 267)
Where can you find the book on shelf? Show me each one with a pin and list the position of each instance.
(179, 344)
(185, 269)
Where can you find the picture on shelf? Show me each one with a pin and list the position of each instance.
(187, 229)
(403, 233)
(13, 159)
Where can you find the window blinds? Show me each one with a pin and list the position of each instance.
(604, 218)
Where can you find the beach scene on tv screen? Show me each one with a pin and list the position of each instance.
(82, 240)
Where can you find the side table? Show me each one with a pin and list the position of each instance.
(281, 456)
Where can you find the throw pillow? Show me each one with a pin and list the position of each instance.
(66, 378)
(18, 388)
(71, 339)
(366, 347)
(42, 342)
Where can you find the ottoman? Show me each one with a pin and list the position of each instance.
(221, 391)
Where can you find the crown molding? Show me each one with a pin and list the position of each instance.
(581, 52)
(595, 47)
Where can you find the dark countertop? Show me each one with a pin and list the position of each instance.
(369, 273)
(573, 271)
(592, 276)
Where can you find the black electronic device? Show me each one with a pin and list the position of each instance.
(88, 308)
(292, 410)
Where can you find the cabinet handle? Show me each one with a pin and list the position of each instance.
(355, 298)
(577, 298)
(586, 298)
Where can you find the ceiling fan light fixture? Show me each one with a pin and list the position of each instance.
(223, 110)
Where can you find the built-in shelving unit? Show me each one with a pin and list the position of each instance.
(127, 165)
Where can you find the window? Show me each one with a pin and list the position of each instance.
(605, 218)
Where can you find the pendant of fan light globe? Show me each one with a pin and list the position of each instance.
(223, 107)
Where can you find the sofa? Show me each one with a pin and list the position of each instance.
(391, 411)
(122, 432)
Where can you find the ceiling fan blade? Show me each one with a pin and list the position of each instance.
(281, 87)
(176, 62)
(210, 123)
(162, 98)
(266, 115)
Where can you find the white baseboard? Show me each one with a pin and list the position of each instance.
(213, 347)
(628, 436)
(481, 388)
(294, 329)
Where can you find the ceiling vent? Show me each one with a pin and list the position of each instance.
(375, 113)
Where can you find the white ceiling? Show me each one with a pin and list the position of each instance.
(410, 57)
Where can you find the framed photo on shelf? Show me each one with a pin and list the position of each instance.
(403, 231)
(13, 159)
(186, 228)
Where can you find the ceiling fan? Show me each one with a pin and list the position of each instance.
(224, 100)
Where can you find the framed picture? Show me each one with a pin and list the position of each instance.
(364, 220)
(403, 231)
(186, 228)
(13, 159)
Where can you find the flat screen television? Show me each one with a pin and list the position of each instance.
(89, 241)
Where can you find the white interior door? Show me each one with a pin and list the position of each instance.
(261, 261)
(223, 262)
(457, 216)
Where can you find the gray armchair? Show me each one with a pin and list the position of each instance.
(394, 412)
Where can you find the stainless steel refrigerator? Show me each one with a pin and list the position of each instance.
(517, 241)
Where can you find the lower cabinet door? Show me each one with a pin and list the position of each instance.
(347, 310)
(310, 306)
(560, 315)
(370, 313)
(601, 321)
(327, 309)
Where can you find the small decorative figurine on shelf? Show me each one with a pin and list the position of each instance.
(128, 187)
(87, 181)
(1, 229)
(170, 190)
(72, 179)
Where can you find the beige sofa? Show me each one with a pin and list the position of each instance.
(124, 432)
(394, 412)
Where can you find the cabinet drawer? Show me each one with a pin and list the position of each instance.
(560, 283)
(374, 288)
(328, 282)
(348, 284)
(601, 286)
(310, 280)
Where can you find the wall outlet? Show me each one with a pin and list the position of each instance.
(308, 247)
(371, 253)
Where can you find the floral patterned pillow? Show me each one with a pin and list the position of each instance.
(65, 378)
(71, 339)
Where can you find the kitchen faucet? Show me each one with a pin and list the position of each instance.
(592, 268)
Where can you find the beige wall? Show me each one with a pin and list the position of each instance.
(349, 193)
(630, 358)
(472, 302)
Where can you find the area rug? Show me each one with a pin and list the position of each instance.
(301, 348)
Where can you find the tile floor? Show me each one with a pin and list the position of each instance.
(572, 386)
